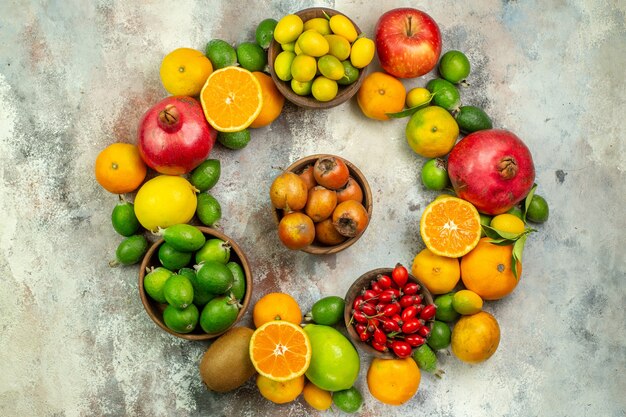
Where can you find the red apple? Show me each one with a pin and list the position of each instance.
(174, 136)
(408, 42)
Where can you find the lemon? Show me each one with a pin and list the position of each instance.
(339, 46)
(363, 50)
(288, 29)
(418, 96)
(331, 67)
(324, 89)
(288, 46)
(164, 201)
(312, 43)
(432, 132)
(508, 223)
(184, 71)
(341, 25)
(282, 65)
(467, 302)
(318, 24)
(303, 68)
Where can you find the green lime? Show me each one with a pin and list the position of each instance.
(264, 33)
(350, 73)
(327, 311)
(221, 53)
(538, 210)
(251, 56)
(472, 119)
(184, 237)
(282, 65)
(445, 94)
(172, 258)
(425, 358)
(131, 250)
(123, 218)
(485, 220)
(205, 176)
(516, 211)
(445, 311)
(301, 88)
(348, 400)
(454, 66)
(214, 277)
(435, 175)
(219, 314)
(181, 320)
(439, 335)
(331, 67)
(178, 291)
(208, 209)
(154, 281)
(239, 280)
(234, 140)
(214, 250)
(200, 296)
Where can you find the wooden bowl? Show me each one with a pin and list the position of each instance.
(317, 248)
(344, 93)
(355, 290)
(155, 309)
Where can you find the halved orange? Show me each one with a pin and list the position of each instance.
(450, 227)
(280, 350)
(231, 99)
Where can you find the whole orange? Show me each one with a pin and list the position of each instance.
(273, 101)
(486, 270)
(475, 338)
(393, 381)
(276, 306)
(119, 168)
(379, 94)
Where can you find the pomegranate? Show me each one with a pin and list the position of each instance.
(174, 136)
(492, 169)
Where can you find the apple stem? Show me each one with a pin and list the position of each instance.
(409, 29)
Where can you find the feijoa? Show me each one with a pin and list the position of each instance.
(214, 277)
(205, 176)
(472, 119)
(348, 400)
(181, 320)
(172, 258)
(214, 250)
(200, 296)
(264, 33)
(208, 210)
(178, 291)
(131, 250)
(219, 314)
(327, 311)
(454, 66)
(183, 237)
(239, 280)
(425, 358)
(154, 281)
(445, 94)
(123, 218)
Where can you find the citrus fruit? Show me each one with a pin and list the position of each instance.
(221, 53)
(264, 33)
(450, 227)
(393, 381)
(439, 335)
(475, 338)
(486, 270)
(467, 302)
(131, 250)
(181, 320)
(316, 397)
(164, 201)
(273, 101)
(280, 392)
(282, 65)
(472, 119)
(454, 66)
(434, 174)
(301, 89)
(251, 56)
(485, 220)
(184, 71)
(205, 176)
(123, 218)
(172, 258)
(319, 24)
(444, 93)
(238, 289)
(538, 210)
(312, 43)
(276, 306)
(234, 140)
(209, 210)
(330, 67)
(431, 132)
(214, 250)
(380, 94)
(508, 223)
(154, 281)
(339, 47)
(440, 274)
(119, 168)
(291, 46)
(214, 277)
(348, 400)
(219, 314)
(362, 52)
(327, 311)
(183, 237)
(231, 99)
(324, 89)
(350, 74)
(417, 96)
(288, 28)
(445, 310)
(280, 350)
(303, 68)
(425, 358)
(341, 25)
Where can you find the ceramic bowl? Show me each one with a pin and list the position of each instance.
(155, 309)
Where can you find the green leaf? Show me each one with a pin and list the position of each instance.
(491, 232)
(410, 111)
(518, 250)
(495, 233)
(527, 201)
(502, 242)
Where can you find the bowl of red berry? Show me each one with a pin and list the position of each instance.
(389, 313)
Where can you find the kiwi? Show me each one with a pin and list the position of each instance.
(226, 364)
